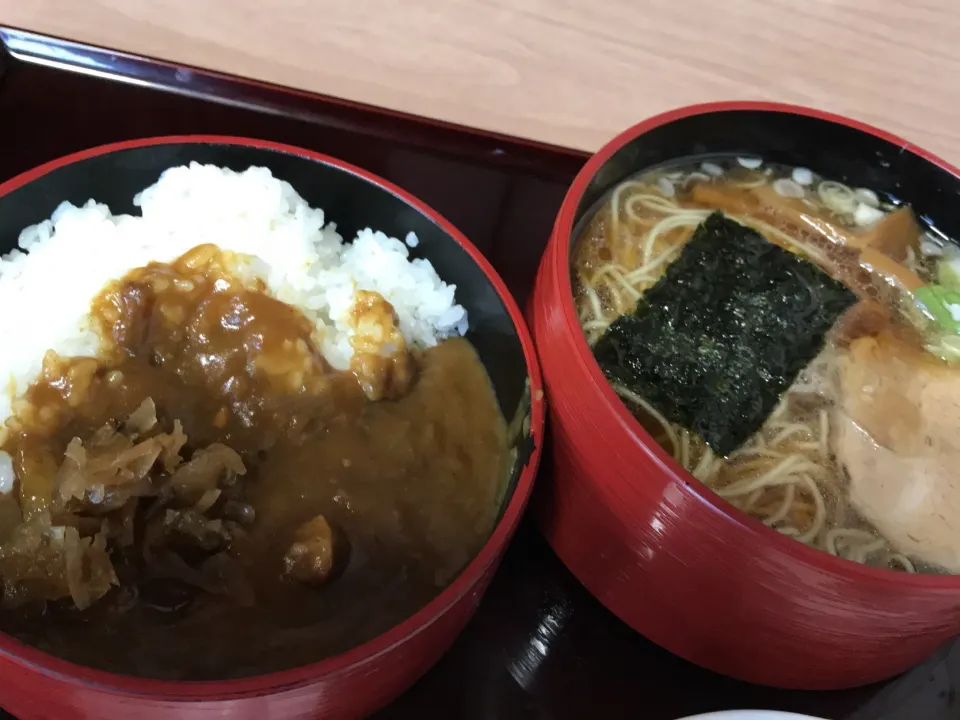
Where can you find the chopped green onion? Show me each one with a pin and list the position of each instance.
(948, 272)
(939, 307)
(941, 304)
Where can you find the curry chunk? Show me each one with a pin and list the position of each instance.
(315, 552)
(381, 362)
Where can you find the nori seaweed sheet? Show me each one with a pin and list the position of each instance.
(725, 331)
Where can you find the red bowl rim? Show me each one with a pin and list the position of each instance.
(353, 659)
(606, 397)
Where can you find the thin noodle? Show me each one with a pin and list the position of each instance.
(752, 499)
(649, 409)
(785, 473)
(903, 561)
(785, 507)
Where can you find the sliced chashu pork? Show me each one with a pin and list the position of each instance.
(867, 260)
(898, 437)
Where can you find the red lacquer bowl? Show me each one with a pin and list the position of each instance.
(37, 686)
(666, 555)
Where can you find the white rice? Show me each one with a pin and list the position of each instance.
(63, 263)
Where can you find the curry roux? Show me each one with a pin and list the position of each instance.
(405, 487)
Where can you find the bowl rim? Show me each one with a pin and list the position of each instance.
(603, 396)
(355, 658)
(750, 715)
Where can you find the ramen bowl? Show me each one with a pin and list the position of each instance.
(369, 675)
(663, 552)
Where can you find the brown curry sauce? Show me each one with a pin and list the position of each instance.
(267, 511)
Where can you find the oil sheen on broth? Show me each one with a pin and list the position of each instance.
(232, 504)
(857, 455)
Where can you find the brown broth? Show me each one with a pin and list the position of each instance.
(411, 484)
(872, 379)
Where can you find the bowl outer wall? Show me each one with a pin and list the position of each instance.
(676, 562)
(353, 684)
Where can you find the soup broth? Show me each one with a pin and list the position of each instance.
(855, 457)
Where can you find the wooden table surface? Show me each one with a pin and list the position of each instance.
(566, 72)
(540, 647)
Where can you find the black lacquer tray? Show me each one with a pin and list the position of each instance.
(540, 646)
